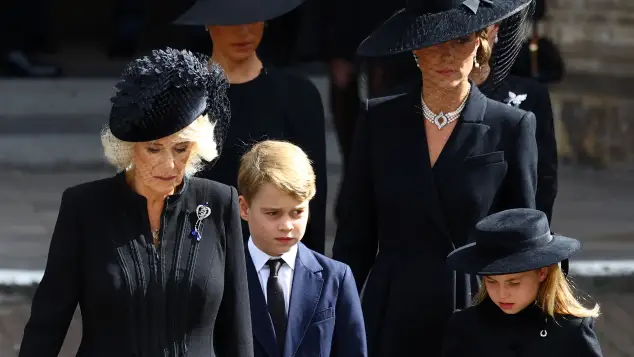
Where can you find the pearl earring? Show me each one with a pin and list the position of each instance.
(416, 59)
(495, 40)
(475, 63)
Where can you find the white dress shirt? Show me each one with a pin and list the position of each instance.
(285, 275)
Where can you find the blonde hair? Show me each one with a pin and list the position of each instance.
(280, 163)
(119, 153)
(555, 296)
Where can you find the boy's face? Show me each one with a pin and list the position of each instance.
(276, 220)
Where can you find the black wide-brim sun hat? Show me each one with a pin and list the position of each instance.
(235, 12)
(512, 241)
(425, 23)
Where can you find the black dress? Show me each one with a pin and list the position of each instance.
(486, 331)
(394, 201)
(537, 101)
(185, 298)
(277, 105)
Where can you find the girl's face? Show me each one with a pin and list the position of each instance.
(514, 292)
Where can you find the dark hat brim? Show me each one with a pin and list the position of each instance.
(472, 260)
(408, 30)
(235, 12)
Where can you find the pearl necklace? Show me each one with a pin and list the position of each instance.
(441, 119)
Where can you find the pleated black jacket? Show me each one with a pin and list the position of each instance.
(187, 297)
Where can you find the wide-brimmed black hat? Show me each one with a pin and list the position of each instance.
(160, 94)
(424, 23)
(512, 241)
(235, 12)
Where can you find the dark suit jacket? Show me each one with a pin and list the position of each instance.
(393, 201)
(185, 298)
(473, 332)
(537, 101)
(324, 318)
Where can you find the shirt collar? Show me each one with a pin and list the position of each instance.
(260, 258)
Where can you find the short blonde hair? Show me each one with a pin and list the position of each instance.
(555, 296)
(280, 163)
(119, 153)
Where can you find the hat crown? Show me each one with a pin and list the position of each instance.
(432, 6)
(514, 229)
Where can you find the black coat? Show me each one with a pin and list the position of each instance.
(282, 106)
(486, 331)
(391, 199)
(186, 298)
(538, 102)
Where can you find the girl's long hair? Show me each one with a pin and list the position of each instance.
(555, 296)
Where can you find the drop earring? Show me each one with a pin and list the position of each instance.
(495, 40)
(416, 59)
(475, 63)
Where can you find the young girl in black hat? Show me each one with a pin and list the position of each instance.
(525, 306)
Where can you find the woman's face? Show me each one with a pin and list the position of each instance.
(237, 42)
(159, 166)
(448, 64)
(514, 292)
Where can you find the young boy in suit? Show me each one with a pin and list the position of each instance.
(302, 303)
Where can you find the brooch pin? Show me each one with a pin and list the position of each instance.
(202, 212)
(515, 99)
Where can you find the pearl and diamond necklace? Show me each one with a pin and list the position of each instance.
(442, 119)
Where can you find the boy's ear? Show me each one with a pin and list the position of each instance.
(244, 208)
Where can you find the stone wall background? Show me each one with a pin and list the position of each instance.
(594, 105)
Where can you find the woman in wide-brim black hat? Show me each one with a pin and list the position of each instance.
(153, 256)
(266, 103)
(428, 162)
(525, 305)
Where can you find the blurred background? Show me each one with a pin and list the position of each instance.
(60, 58)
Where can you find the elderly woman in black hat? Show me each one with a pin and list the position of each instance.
(525, 305)
(426, 165)
(266, 103)
(530, 95)
(153, 256)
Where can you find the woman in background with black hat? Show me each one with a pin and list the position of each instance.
(265, 103)
(426, 166)
(525, 305)
(527, 94)
(153, 257)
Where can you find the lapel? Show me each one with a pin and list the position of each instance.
(305, 294)
(467, 134)
(465, 137)
(262, 324)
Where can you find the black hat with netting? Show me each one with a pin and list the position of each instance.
(163, 93)
(426, 23)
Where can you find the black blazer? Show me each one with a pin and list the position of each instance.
(186, 298)
(486, 331)
(393, 201)
(532, 96)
